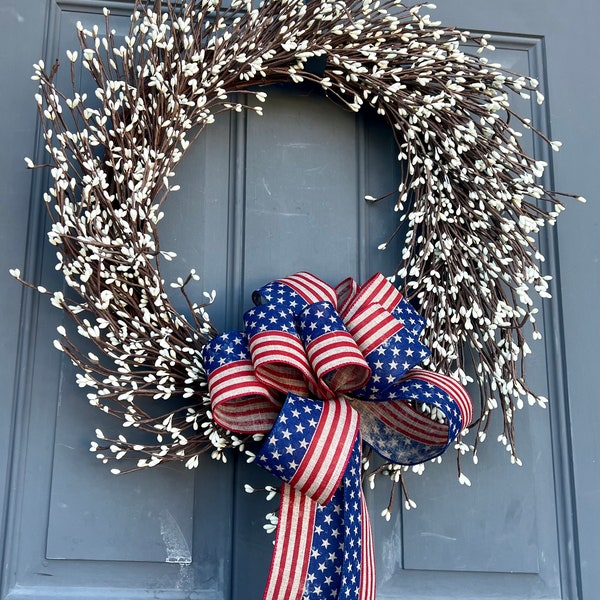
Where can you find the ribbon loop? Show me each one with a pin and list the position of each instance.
(378, 290)
(345, 291)
(240, 402)
(277, 352)
(297, 291)
(332, 352)
(386, 329)
(389, 363)
(372, 326)
(402, 428)
(310, 444)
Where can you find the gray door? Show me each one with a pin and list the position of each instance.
(262, 198)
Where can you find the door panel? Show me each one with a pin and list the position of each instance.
(262, 197)
(499, 525)
(75, 530)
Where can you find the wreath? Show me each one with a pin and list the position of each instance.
(469, 198)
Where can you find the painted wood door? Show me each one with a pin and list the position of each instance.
(261, 198)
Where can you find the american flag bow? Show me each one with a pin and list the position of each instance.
(319, 370)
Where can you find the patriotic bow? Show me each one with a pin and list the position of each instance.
(320, 369)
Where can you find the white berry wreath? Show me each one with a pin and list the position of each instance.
(469, 195)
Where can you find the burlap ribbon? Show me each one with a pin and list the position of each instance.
(319, 369)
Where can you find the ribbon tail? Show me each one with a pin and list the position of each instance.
(291, 555)
(367, 573)
(324, 551)
(358, 570)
